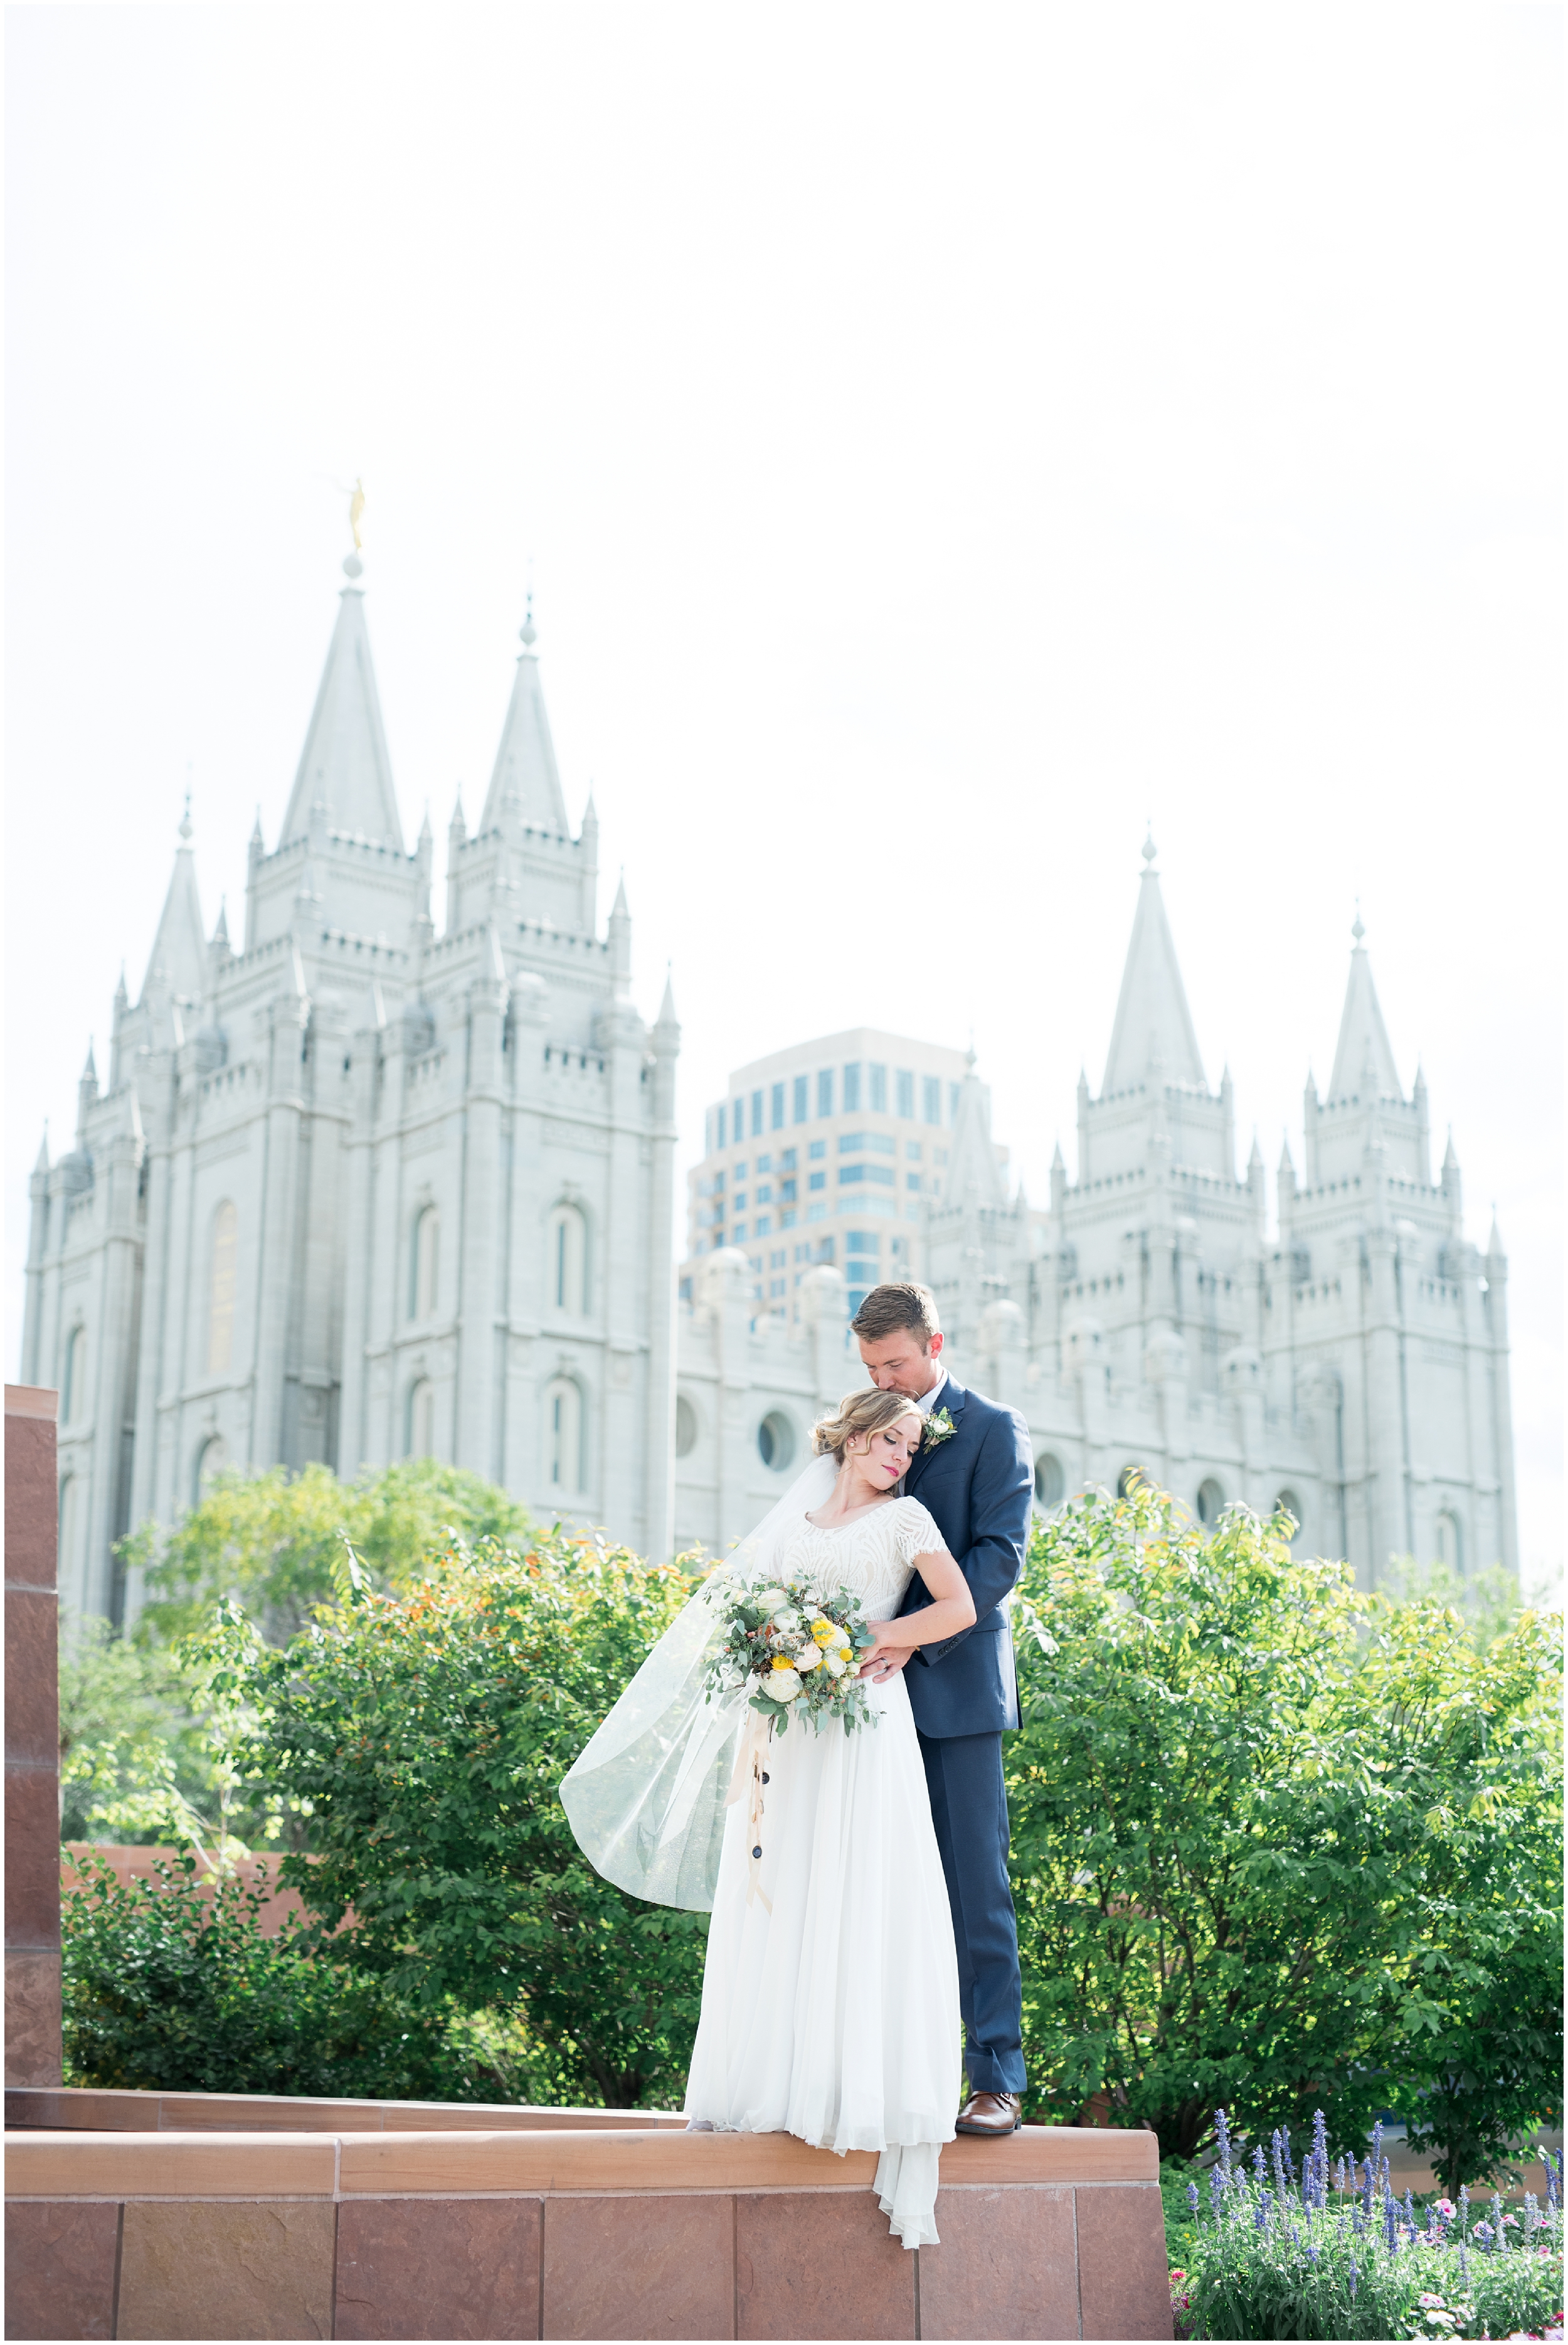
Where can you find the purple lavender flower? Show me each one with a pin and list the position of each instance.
(1410, 2211)
(1340, 2176)
(1222, 2128)
(1278, 2162)
(1259, 2167)
(1391, 2222)
(1290, 2161)
(1353, 2278)
(1192, 2198)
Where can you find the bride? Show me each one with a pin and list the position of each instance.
(830, 1994)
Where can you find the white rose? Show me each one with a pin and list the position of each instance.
(808, 1657)
(770, 1599)
(833, 1662)
(783, 1684)
(787, 1620)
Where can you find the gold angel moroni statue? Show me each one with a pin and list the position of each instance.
(356, 507)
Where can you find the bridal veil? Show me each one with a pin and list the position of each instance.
(646, 1798)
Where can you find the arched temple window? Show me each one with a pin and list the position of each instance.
(564, 1436)
(425, 1265)
(1450, 1540)
(221, 1279)
(73, 1381)
(210, 1460)
(568, 1261)
(1210, 1503)
(69, 1503)
(1050, 1482)
(421, 1429)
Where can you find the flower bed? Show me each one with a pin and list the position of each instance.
(1282, 2252)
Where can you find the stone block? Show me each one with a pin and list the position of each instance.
(60, 2269)
(32, 1498)
(1124, 2289)
(163, 2165)
(32, 2017)
(204, 2267)
(1007, 2265)
(32, 1682)
(639, 2267)
(32, 1857)
(453, 2268)
(820, 2263)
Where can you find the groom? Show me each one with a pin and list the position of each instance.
(974, 1473)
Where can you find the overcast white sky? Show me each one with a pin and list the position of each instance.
(942, 439)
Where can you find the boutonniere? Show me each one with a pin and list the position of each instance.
(938, 1427)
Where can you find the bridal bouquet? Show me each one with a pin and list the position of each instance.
(796, 1650)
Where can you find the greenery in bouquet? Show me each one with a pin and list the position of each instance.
(1282, 2250)
(795, 1647)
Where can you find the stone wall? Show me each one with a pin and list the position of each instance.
(32, 1742)
(545, 2224)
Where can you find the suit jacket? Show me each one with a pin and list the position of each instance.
(978, 1484)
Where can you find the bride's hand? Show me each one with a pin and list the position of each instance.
(880, 1662)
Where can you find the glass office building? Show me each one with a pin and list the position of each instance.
(826, 1152)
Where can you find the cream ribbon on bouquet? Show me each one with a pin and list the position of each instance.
(749, 1773)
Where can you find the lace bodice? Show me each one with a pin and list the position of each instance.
(873, 1555)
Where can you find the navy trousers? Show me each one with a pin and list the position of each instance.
(969, 1810)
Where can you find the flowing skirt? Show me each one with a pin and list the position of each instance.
(835, 2016)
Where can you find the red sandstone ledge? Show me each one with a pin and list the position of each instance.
(46, 2164)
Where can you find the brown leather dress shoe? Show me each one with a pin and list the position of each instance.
(991, 2113)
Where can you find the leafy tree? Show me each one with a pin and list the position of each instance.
(273, 1540)
(428, 1732)
(118, 1697)
(1276, 1843)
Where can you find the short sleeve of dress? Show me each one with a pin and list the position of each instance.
(917, 1531)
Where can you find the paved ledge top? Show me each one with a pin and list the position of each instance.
(78, 2164)
(69, 2107)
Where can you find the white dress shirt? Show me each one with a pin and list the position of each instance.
(928, 1401)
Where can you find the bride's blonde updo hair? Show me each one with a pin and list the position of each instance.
(866, 1412)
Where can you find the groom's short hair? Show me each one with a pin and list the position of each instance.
(889, 1309)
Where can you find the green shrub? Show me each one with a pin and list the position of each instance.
(1278, 2253)
(1276, 1842)
(167, 1991)
(427, 1735)
(274, 1540)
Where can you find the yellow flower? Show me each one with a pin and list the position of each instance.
(783, 1661)
(825, 1633)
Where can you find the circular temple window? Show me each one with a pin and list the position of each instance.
(685, 1426)
(1050, 1482)
(775, 1440)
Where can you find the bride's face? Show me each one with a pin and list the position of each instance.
(883, 1458)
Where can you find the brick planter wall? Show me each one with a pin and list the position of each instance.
(32, 1741)
(550, 2226)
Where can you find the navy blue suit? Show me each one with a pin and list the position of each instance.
(977, 1485)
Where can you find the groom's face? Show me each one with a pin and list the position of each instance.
(900, 1363)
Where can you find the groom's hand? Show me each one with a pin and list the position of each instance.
(884, 1661)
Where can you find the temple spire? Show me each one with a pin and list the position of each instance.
(344, 764)
(1364, 1053)
(1153, 1024)
(525, 783)
(179, 958)
(974, 1175)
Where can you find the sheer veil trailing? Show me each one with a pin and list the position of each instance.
(646, 1798)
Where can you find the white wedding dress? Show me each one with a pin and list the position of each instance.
(835, 2016)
